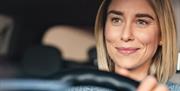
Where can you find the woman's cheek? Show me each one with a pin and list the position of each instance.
(145, 38)
(111, 35)
(148, 40)
(108, 36)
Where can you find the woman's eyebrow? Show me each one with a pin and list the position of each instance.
(114, 12)
(144, 15)
(140, 15)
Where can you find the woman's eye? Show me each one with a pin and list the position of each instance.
(116, 20)
(142, 23)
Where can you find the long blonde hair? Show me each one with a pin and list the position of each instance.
(165, 60)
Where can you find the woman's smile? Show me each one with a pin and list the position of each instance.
(127, 50)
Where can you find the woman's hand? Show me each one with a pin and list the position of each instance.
(149, 83)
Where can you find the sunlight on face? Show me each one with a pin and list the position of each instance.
(132, 34)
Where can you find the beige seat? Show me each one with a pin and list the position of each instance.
(73, 42)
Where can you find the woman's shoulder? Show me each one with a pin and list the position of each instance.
(173, 86)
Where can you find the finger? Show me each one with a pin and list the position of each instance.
(148, 84)
(161, 88)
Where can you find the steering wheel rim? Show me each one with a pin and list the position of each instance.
(72, 78)
(93, 77)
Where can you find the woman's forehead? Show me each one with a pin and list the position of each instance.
(131, 6)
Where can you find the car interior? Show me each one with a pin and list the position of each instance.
(44, 44)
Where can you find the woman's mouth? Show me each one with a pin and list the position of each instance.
(127, 50)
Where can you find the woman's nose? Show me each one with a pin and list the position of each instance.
(127, 33)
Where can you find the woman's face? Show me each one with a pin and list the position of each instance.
(132, 34)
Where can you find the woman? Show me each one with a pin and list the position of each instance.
(137, 39)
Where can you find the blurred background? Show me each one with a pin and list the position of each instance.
(61, 26)
(32, 18)
(31, 30)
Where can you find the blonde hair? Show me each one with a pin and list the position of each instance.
(164, 61)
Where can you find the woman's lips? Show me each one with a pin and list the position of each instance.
(127, 50)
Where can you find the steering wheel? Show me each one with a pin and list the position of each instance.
(83, 78)
(80, 79)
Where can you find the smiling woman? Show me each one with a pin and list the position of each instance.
(137, 38)
(132, 35)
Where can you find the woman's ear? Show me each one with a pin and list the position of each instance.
(160, 40)
(160, 43)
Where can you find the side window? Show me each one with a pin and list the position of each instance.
(176, 4)
(6, 27)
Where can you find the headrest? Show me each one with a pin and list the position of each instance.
(41, 61)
